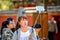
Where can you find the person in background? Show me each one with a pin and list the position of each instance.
(52, 28)
(25, 32)
(37, 30)
(6, 31)
(51, 3)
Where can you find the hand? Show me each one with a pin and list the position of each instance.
(56, 32)
(30, 36)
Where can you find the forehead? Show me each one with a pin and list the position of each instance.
(37, 28)
(23, 18)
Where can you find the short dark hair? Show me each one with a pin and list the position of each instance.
(9, 19)
(37, 26)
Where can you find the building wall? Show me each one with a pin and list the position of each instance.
(43, 20)
(4, 16)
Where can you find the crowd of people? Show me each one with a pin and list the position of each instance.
(19, 31)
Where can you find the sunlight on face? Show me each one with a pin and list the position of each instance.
(37, 29)
(10, 25)
(24, 22)
(52, 18)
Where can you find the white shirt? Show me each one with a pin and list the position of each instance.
(25, 35)
(19, 35)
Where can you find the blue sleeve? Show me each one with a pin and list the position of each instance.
(32, 30)
(34, 35)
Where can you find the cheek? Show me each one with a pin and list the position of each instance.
(38, 30)
(26, 22)
(21, 23)
(14, 24)
(11, 25)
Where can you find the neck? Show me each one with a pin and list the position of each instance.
(24, 29)
(9, 28)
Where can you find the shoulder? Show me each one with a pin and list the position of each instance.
(6, 30)
(17, 31)
(54, 21)
(30, 28)
(49, 21)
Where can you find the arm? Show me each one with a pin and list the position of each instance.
(56, 27)
(34, 35)
(7, 35)
(14, 36)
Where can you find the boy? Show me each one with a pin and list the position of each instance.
(37, 28)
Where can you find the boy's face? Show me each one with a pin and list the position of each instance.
(37, 29)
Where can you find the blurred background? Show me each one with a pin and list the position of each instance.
(11, 8)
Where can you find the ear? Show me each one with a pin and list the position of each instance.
(7, 25)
